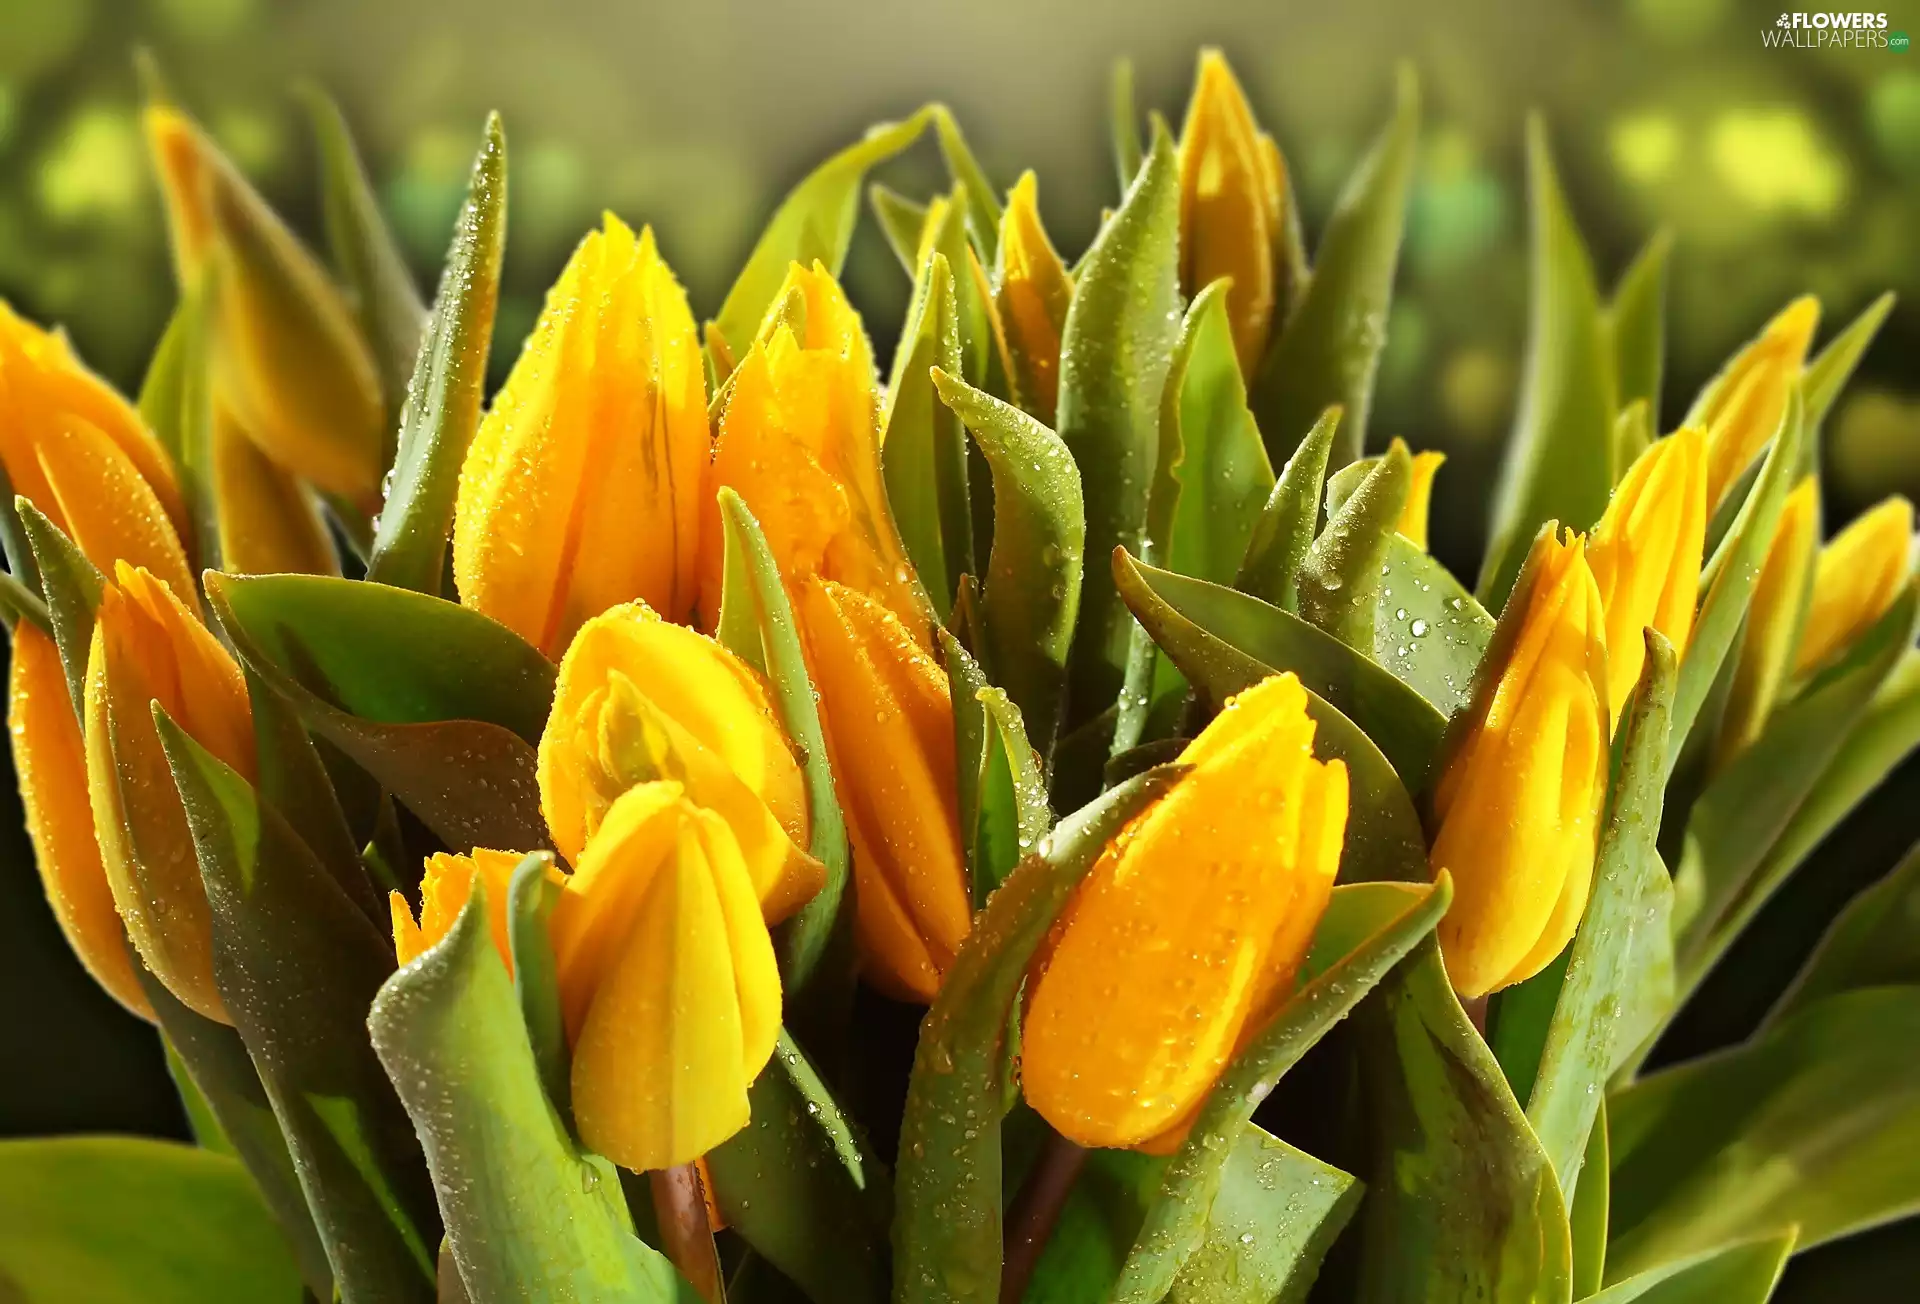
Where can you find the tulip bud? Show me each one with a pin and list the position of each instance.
(1518, 802)
(1178, 946)
(640, 700)
(799, 441)
(668, 986)
(444, 889)
(1860, 573)
(149, 649)
(580, 490)
(287, 352)
(1413, 517)
(1773, 621)
(889, 728)
(1232, 201)
(81, 454)
(1034, 289)
(50, 762)
(1645, 556)
(267, 520)
(1742, 406)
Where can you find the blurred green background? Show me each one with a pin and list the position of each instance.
(1778, 171)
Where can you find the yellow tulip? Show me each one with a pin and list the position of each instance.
(581, 488)
(1646, 553)
(267, 520)
(149, 648)
(1742, 406)
(444, 889)
(287, 352)
(889, 727)
(81, 454)
(1518, 802)
(1188, 932)
(669, 991)
(1232, 202)
(641, 700)
(1413, 517)
(1860, 573)
(1773, 620)
(49, 759)
(668, 985)
(799, 441)
(1034, 289)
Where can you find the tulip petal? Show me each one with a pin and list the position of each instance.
(1859, 575)
(1230, 205)
(108, 509)
(268, 521)
(50, 760)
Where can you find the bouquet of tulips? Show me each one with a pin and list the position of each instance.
(710, 822)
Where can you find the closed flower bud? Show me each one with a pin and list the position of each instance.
(1232, 204)
(1645, 556)
(1773, 621)
(267, 520)
(668, 985)
(1033, 289)
(81, 454)
(1859, 575)
(149, 649)
(1186, 935)
(1518, 802)
(582, 488)
(889, 727)
(1413, 517)
(799, 441)
(640, 700)
(1741, 408)
(49, 759)
(287, 352)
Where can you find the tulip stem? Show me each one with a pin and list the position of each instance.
(1477, 1012)
(1036, 1209)
(686, 1232)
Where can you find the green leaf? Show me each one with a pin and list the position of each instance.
(71, 586)
(1828, 373)
(1367, 929)
(1747, 806)
(1636, 328)
(1114, 354)
(438, 703)
(1384, 841)
(224, 1076)
(1329, 349)
(1225, 641)
(364, 251)
(18, 553)
(1462, 1202)
(448, 386)
(946, 1230)
(531, 897)
(1341, 578)
(529, 1216)
(125, 1220)
(1742, 1273)
(1632, 436)
(297, 964)
(19, 602)
(1733, 571)
(1278, 545)
(176, 402)
(923, 453)
(984, 791)
(816, 931)
(800, 1188)
(1606, 974)
(1813, 1124)
(813, 223)
(1874, 942)
(1560, 459)
(982, 209)
(901, 221)
(1032, 594)
(208, 1132)
(1123, 122)
(1587, 1219)
(1427, 629)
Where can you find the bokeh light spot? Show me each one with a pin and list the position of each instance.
(1645, 147)
(1773, 161)
(1893, 117)
(94, 169)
